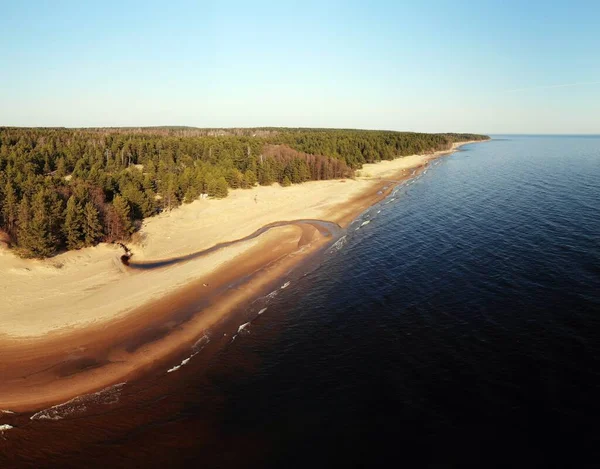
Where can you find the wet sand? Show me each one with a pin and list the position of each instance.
(45, 370)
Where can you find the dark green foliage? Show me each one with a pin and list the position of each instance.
(250, 179)
(217, 188)
(23, 221)
(74, 220)
(92, 229)
(35, 236)
(68, 188)
(119, 223)
(10, 210)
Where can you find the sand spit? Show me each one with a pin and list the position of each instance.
(83, 321)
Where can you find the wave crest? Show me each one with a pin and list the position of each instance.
(79, 404)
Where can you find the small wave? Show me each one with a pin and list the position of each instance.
(201, 343)
(338, 244)
(261, 311)
(197, 348)
(365, 222)
(243, 326)
(6, 412)
(5, 428)
(183, 363)
(79, 404)
(273, 294)
(378, 211)
(285, 285)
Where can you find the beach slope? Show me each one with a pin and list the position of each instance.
(81, 314)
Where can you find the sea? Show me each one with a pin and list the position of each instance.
(454, 324)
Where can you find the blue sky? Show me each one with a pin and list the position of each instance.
(486, 66)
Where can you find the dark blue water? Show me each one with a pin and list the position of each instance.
(460, 326)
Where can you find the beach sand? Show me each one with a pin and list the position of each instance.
(82, 320)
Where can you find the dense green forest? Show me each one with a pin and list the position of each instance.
(70, 188)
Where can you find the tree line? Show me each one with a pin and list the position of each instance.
(70, 188)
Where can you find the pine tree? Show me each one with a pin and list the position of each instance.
(61, 170)
(266, 173)
(148, 204)
(170, 193)
(303, 171)
(92, 229)
(234, 178)
(74, 222)
(44, 240)
(35, 234)
(286, 182)
(250, 178)
(23, 221)
(218, 188)
(190, 195)
(56, 213)
(122, 212)
(10, 210)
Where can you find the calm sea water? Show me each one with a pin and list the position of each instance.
(460, 326)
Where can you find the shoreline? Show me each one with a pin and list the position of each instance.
(159, 318)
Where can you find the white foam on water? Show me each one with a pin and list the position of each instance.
(285, 285)
(197, 348)
(243, 326)
(261, 311)
(77, 405)
(201, 343)
(183, 362)
(273, 294)
(378, 211)
(5, 428)
(338, 244)
(6, 412)
(365, 222)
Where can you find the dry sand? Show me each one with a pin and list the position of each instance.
(83, 315)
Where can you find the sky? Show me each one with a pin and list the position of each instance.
(430, 66)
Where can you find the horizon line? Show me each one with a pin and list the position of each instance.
(192, 127)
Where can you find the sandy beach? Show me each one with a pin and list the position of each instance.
(82, 320)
